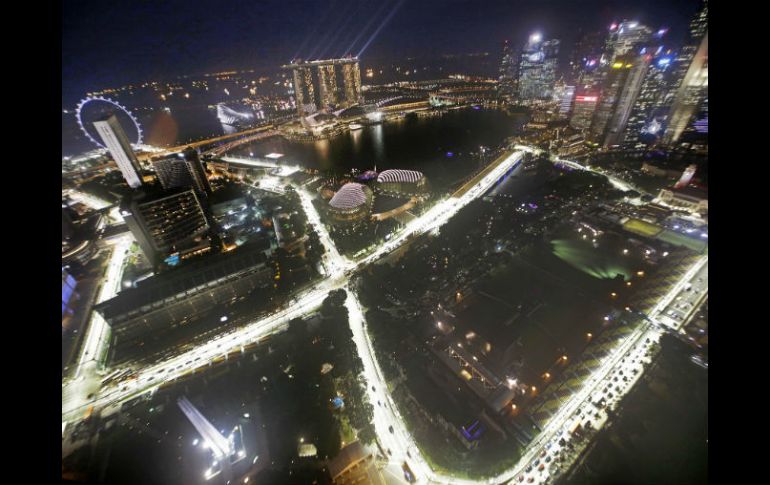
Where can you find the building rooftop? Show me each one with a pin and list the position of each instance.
(350, 196)
(397, 175)
(691, 192)
(349, 455)
(188, 278)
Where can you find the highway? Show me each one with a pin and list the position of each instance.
(219, 150)
(96, 343)
(386, 415)
(443, 210)
(98, 331)
(399, 442)
(674, 311)
(209, 141)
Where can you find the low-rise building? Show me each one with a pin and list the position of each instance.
(354, 464)
(688, 198)
(351, 204)
(177, 297)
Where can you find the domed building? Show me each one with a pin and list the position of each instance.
(352, 203)
(402, 182)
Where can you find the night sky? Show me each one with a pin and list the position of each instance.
(111, 43)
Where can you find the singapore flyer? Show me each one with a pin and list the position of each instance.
(94, 108)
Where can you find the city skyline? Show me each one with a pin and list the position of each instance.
(406, 249)
(194, 43)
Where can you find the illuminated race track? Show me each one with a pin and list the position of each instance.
(399, 443)
(98, 330)
(338, 268)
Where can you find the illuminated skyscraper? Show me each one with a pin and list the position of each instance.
(197, 172)
(351, 75)
(697, 30)
(583, 110)
(166, 222)
(586, 55)
(626, 37)
(690, 95)
(619, 92)
(327, 84)
(692, 68)
(506, 87)
(564, 95)
(628, 94)
(182, 170)
(303, 90)
(317, 84)
(653, 103)
(117, 143)
(537, 69)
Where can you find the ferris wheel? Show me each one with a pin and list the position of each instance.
(90, 108)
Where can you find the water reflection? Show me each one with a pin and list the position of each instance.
(322, 148)
(356, 136)
(378, 141)
(228, 129)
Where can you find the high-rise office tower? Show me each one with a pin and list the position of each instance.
(690, 95)
(166, 222)
(182, 170)
(537, 69)
(586, 55)
(506, 87)
(197, 172)
(697, 30)
(619, 91)
(115, 138)
(653, 103)
(627, 98)
(172, 171)
(583, 110)
(564, 95)
(692, 69)
(626, 37)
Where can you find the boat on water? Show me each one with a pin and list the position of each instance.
(355, 126)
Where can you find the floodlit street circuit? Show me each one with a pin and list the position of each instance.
(399, 444)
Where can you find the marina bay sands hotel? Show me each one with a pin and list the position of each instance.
(325, 84)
